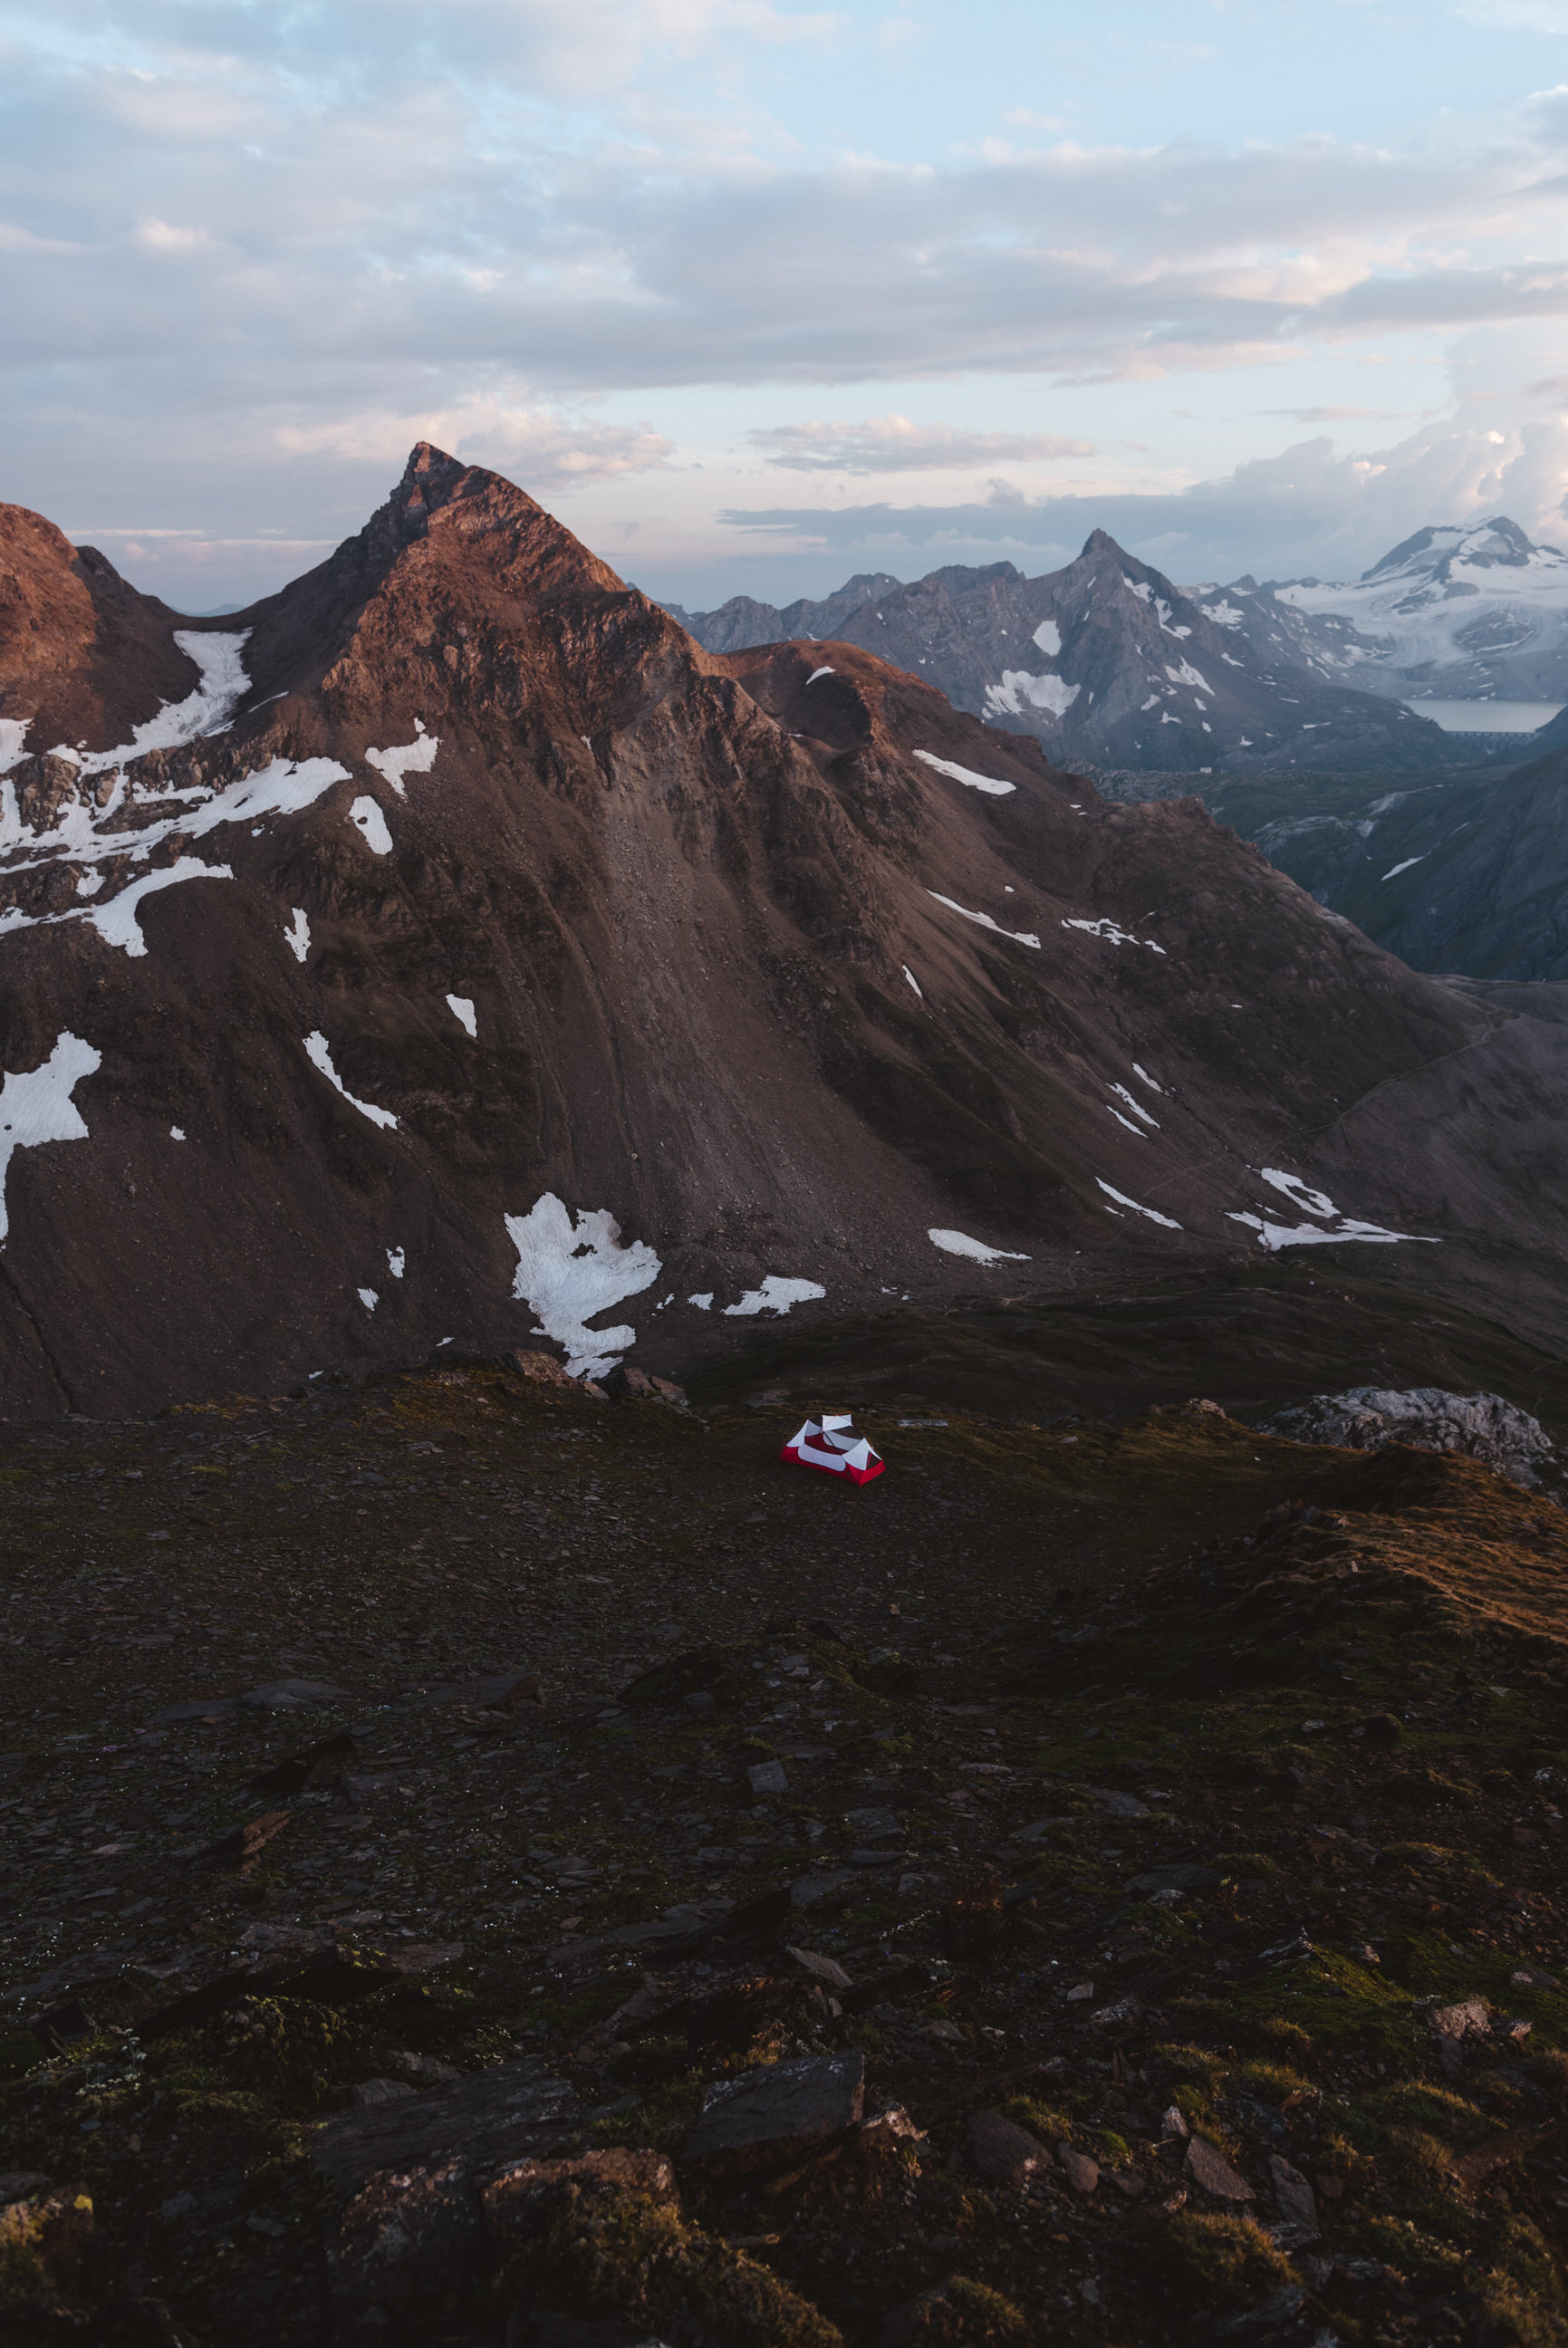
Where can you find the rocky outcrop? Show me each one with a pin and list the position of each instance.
(1368, 1418)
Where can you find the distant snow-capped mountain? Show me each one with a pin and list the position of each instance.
(1471, 614)
(1108, 666)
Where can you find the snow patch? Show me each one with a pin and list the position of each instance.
(396, 1258)
(775, 1295)
(462, 1011)
(1223, 614)
(297, 938)
(13, 734)
(368, 816)
(1048, 637)
(1148, 1213)
(117, 923)
(206, 711)
(369, 1299)
(88, 883)
(913, 979)
(1135, 1106)
(1145, 1078)
(816, 673)
(36, 1107)
(1188, 675)
(966, 775)
(1299, 1193)
(416, 758)
(703, 1302)
(1395, 869)
(1019, 937)
(1271, 1236)
(1051, 693)
(1113, 934)
(320, 1054)
(566, 1270)
(1137, 1131)
(176, 1133)
(960, 1243)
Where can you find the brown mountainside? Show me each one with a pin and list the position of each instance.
(468, 909)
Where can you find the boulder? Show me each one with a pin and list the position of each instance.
(516, 2203)
(1003, 2153)
(406, 2233)
(509, 2113)
(773, 2115)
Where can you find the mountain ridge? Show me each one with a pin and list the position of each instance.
(471, 953)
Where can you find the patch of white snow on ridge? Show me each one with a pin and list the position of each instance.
(1396, 869)
(297, 938)
(414, 757)
(367, 817)
(1223, 614)
(1299, 1193)
(320, 1052)
(1019, 937)
(1051, 693)
(1139, 587)
(966, 775)
(206, 711)
(913, 979)
(1136, 1130)
(1148, 1213)
(88, 883)
(369, 1299)
(1271, 1236)
(1113, 934)
(1048, 637)
(37, 1106)
(816, 673)
(117, 923)
(775, 1295)
(462, 1011)
(13, 734)
(960, 1243)
(396, 1258)
(703, 1302)
(566, 1271)
(1188, 675)
(1135, 1106)
(1145, 1078)
(1152, 703)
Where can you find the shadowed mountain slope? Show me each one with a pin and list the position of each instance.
(467, 954)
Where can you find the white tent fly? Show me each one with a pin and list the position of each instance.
(836, 1445)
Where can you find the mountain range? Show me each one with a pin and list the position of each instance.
(1109, 665)
(448, 950)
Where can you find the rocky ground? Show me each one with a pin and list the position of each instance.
(485, 1865)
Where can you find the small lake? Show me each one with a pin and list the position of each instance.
(1487, 716)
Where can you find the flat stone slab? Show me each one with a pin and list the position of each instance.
(1213, 2172)
(1175, 1877)
(773, 2114)
(487, 2121)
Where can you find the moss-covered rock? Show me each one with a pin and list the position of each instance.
(1222, 2261)
(626, 2255)
(958, 2314)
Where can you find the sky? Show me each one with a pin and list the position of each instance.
(755, 295)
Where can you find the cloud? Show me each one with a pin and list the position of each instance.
(892, 444)
(1332, 415)
(546, 451)
(1308, 510)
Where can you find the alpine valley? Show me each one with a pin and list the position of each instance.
(495, 1859)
